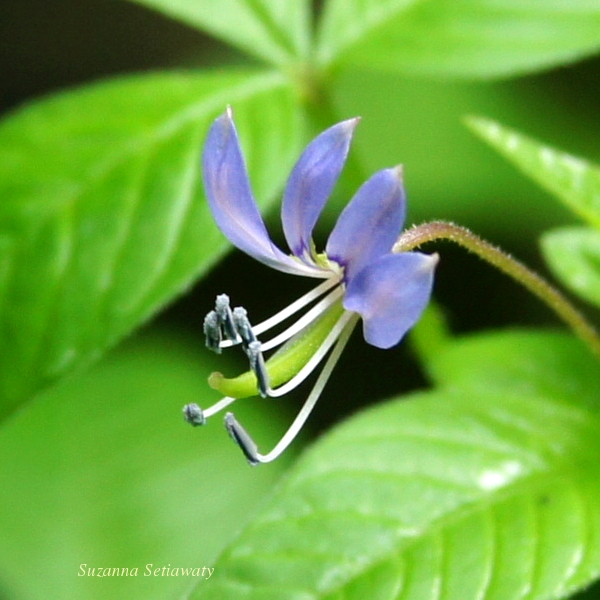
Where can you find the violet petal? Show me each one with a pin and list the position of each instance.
(311, 183)
(231, 200)
(370, 224)
(390, 295)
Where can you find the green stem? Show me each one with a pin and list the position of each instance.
(440, 230)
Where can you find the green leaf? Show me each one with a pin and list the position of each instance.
(487, 496)
(103, 220)
(431, 333)
(472, 38)
(460, 494)
(103, 471)
(573, 180)
(573, 253)
(276, 31)
(554, 365)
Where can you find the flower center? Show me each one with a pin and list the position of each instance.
(289, 361)
(322, 260)
(325, 327)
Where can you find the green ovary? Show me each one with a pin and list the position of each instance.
(286, 362)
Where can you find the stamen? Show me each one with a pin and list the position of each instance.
(303, 321)
(288, 311)
(242, 437)
(242, 326)
(215, 324)
(194, 415)
(257, 364)
(225, 315)
(289, 360)
(243, 440)
(212, 332)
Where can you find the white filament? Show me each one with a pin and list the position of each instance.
(313, 397)
(316, 311)
(218, 406)
(288, 311)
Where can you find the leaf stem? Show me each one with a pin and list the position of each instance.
(441, 230)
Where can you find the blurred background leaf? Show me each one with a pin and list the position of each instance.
(418, 122)
(573, 253)
(468, 491)
(103, 470)
(103, 218)
(519, 362)
(573, 180)
(276, 31)
(410, 119)
(473, 38)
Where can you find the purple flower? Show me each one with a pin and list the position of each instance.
(387, 290)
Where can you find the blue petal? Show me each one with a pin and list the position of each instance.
(370, 224)
(311, 183)
(390, 295)
(233, 206)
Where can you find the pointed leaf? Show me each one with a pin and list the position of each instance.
(573, 180)
(573, 253)
(103, 219)
(276, 31)
(472, 38)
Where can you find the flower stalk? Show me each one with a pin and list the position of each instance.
(537, 285)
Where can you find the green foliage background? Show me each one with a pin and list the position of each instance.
(478, 479)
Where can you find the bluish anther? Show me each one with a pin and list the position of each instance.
(241, 437)
(235, 327)
(194, 415)
(212, 332)
(243, 327)
(257, 364)
(225, 315)
(253, 349)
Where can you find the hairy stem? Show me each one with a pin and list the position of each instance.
(440, 230)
